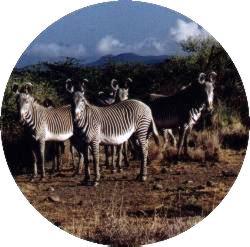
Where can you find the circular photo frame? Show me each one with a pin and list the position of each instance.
(125, 123)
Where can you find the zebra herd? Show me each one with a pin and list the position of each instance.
(112, 121)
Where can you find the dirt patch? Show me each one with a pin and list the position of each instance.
(123, 211)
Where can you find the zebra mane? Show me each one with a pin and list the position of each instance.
(37, 103)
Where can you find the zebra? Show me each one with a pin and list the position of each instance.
(109, 97)
(183, 109)
(59, 147)
(44, 124)
(105, 99)
(123, 94)
(56, 148)
(120, 92)
(111, 125)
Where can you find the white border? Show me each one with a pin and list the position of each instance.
(22, 21)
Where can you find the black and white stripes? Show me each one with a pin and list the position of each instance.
(45, 124)
(112, 125)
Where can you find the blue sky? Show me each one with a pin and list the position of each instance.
(113, 28)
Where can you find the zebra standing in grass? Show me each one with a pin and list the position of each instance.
(44, 124)
(184, 108)
(111, 125)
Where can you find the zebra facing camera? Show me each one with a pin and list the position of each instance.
(113, 132)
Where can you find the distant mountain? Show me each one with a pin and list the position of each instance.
(128, 58)
(28, 61)
(37, 63)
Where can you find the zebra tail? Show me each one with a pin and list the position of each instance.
(155, 133)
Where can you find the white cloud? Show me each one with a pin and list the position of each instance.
(185, 30)
(111, 45)
(54, 50)
(108, 45)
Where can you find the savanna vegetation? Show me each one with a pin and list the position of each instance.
(120, 210)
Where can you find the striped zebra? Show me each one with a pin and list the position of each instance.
(183, 109)
(111, 125)
(59, 147)
(44, 124)
(107, 98)
(120, 92)
(54, 148)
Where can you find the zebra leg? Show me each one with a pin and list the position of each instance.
(95, 150)
(134, 148)
(86, 163)
(58, 155)
(113, 153)
(165, 137)
(143, 141)
(71, 149)
(125, 153)
(186, 141)
(183, 131)
(106, 151)
(171, 135)
(35, 157)
(143, 172)
(53, 150)
(79, 164)
(119, 160)
(42, 151)
(61, 151)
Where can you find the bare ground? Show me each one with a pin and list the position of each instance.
(123, 211)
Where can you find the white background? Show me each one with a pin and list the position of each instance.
(21, 21)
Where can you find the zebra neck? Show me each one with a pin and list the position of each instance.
(85, 119)
(34, 117)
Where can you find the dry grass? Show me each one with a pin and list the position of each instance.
(205, 146)
(232, 132)
(122, 211)
(234, 136)
(154, 152)
(113, 226)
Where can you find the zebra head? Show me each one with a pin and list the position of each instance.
(79, 101)
(114, 85)
(123, 92)
(108, 96)
(207, 89)
(24, 101)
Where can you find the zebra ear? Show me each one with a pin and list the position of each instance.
(202, 78)
(69, 86)
(100, 93)
(14, 89)
(212, 76)
(114, 84)
(128, 82)
(27, 88)
(82, 85)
